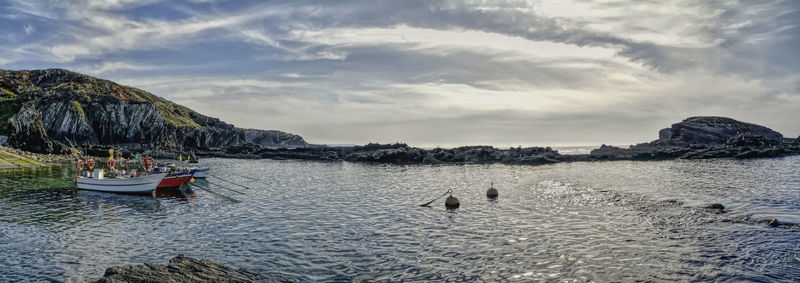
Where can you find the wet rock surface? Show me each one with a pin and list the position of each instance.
(186, 269)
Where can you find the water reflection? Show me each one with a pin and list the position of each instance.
(610, 221)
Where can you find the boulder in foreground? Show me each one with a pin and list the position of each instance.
(186, 269)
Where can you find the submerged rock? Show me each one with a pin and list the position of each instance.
(186, 269)
(773, 222)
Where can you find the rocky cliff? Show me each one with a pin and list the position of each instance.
(52, 110)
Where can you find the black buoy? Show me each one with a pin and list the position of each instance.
(492, 192)
(451, 202)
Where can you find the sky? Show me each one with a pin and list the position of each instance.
(433, 73)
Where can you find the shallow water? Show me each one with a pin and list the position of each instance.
(334, 221)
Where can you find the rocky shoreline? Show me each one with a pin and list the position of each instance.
(693, 138)
(186, 269)
(62, 113)
(15, 158)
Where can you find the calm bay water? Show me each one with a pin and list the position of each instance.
(318, 221)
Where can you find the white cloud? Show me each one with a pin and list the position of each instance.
(351, 72)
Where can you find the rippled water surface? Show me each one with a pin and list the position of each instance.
(317, 221)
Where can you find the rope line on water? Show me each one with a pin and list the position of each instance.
(215, 176)
(251, 178)
(221, 186)
(217, 194)
(428, 203)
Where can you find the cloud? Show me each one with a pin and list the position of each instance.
(434, 73)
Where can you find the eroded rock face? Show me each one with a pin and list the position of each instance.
(79, 110)
(711, 131)
(28, 131)
(186, 269)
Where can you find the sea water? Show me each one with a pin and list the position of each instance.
(340, 221)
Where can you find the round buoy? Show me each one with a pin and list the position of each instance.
(492, 192)
(451, 202)
(191, 180)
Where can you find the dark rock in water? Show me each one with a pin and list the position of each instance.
(773, 222)
(717, 206)
(273, 139)
(711, 137)
(607, 152)
(710, 131)
(186, 269)
(430, 158)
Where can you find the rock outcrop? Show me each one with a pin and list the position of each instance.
(28, 131)
(715, 137)
(45, 109)
(186, 269)
(742, 143)
(607, 152)
(400, 153)
(712, 131)
(273, 139)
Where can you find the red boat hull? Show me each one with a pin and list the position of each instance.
(174, 181)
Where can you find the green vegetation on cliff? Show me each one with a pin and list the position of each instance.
(78, 109)
(58, 83)
(49, 111)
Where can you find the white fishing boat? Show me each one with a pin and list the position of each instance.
(134, 185)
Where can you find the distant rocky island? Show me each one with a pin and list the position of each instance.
(62, 112)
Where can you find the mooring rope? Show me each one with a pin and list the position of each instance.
(215, 176)
(221, 186)
(428, 203)
(217, 194)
